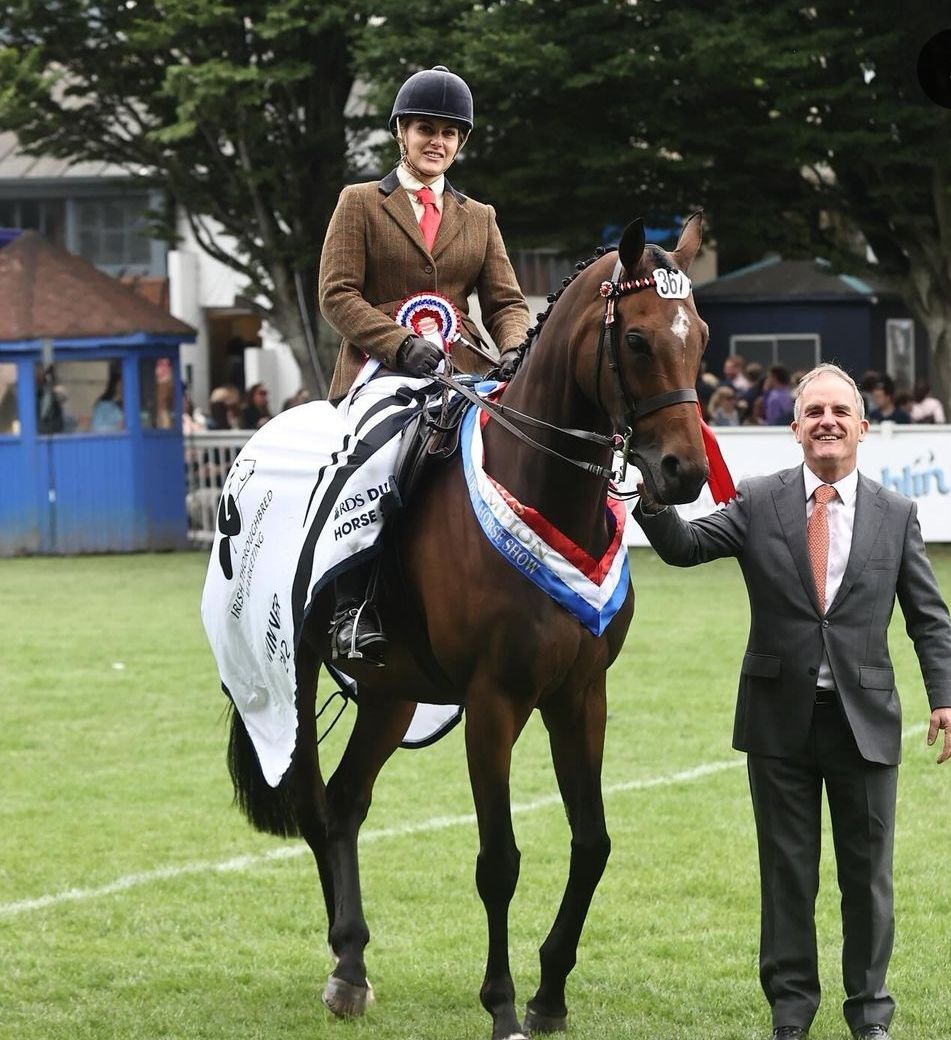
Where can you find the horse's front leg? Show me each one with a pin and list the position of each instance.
(376, 734)
(493, 724)
(576, 733)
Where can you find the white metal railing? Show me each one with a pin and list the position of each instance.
(208, 457)
(913, 460)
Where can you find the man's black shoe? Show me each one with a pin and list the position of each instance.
(356, 634)
(790, 1033)
(875, 1032)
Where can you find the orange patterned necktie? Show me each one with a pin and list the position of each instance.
(429, 221)
(817, 536)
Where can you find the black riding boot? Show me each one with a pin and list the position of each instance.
(356, 632)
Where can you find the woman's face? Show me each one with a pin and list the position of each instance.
(431, 144)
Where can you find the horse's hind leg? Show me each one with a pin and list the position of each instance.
(377, 732)
(576, 734)
(308, 791)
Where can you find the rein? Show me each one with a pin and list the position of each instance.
(499, 412)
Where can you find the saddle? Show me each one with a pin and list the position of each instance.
(430, 434)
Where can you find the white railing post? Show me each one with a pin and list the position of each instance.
(208, 458)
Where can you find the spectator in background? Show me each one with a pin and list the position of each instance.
(723, 411)
(223, 408)
(885, 409)
(733, 374)
(192, 419)
(301, 397)
(704, 389)
(867, 385)
(926, 409)
(777, 397)
(746, 399)
(108, 414)
(256, 411)
(49, 408)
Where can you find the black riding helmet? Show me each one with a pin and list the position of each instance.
(434, 92)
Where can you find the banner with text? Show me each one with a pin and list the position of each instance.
(913, 460)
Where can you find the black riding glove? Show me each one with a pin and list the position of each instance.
(508, 363)
(418, 357)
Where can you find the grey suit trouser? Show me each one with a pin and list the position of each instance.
(787, 805)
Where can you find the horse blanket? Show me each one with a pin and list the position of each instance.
(301, 503)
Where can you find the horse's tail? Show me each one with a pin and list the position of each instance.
(270, 809)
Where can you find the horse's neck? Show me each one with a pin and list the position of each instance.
(572, 500)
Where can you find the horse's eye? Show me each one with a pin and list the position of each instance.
(637, 342)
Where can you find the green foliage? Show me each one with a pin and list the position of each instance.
(801, 129)
(798, 127)
(235, 108)
(111, 773)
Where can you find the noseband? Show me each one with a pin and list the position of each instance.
(634, 409)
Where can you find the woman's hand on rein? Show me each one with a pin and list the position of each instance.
(418, 357)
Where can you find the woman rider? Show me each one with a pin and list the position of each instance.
(409, 233)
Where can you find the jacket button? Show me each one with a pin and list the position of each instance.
(813, 671)
(825, 623)
(428, 269)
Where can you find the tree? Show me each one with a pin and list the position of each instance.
(801, 128)
(236, 109)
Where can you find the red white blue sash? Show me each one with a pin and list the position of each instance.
(591, 590)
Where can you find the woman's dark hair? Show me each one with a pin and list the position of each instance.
(115, 378)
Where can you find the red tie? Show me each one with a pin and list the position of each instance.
(429, 221)
(817, 536)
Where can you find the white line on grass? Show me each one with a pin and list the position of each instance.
(434, 823)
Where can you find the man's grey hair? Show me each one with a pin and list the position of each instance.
(833, 370)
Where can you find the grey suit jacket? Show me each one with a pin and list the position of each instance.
(764, 527)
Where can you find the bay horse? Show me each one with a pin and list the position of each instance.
(501, 647)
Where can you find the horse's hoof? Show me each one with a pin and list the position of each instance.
(537, 1023)
(344, 999)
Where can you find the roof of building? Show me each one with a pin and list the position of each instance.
(47, 292)
(774, 279)
(15, 164)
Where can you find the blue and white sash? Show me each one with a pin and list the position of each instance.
(590, 590)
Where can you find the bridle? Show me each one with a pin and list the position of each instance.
(635, 409)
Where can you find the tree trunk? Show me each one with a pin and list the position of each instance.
(927, 292)
(938, 327)
(289, 322)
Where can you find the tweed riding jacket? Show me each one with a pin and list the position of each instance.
(374, 257)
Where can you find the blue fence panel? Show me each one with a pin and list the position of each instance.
(20, 512)
(93, 508)
(163, 490)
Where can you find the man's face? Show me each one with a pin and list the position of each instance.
(880, 398)
(829, 428)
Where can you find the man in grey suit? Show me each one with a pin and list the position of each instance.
(824, 552)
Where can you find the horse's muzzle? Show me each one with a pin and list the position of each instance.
(680, 480)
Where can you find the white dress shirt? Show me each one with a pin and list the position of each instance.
(841, 512)
(413, 184)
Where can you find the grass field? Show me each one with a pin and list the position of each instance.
(135, 902)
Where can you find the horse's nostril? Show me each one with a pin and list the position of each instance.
(670, 466)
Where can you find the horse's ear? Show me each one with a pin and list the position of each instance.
(691, 234)
(631, 246)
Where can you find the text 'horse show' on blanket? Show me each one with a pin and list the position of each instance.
(618, 352)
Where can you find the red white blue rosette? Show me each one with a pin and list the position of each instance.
(432, 316)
